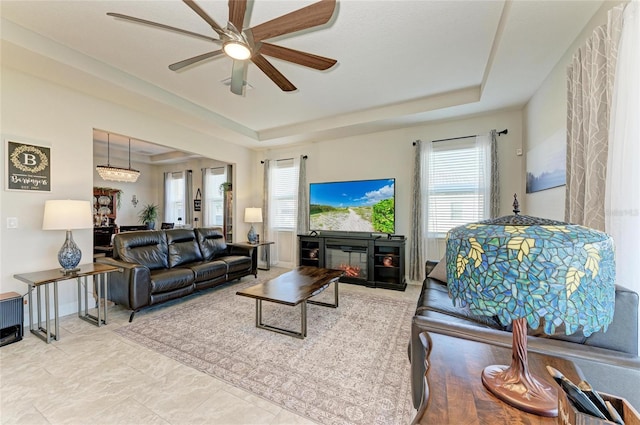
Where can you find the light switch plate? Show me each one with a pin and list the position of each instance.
(12, 222)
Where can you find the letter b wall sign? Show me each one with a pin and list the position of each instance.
(28, 167)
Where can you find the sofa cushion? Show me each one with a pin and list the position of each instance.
(439, 272)
(170, 279)
(148, 248)
(237, 263)
(212, 242)
(183, 247)
(208, 270)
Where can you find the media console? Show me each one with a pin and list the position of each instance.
(367, 259)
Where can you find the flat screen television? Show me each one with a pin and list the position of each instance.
(353, 206)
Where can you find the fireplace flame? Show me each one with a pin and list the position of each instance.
(349, 270)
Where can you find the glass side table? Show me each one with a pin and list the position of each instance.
(48, 278)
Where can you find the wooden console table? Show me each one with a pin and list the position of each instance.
(455, 394)
(47, 278)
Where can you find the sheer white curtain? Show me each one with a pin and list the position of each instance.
(483, 158)
(282, 193)
(213, 196)
(622, 199)
(173, 196)
(178, 197)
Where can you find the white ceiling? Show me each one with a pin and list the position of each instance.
(400, 62)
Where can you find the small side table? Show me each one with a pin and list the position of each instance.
(267, 251)
(49, 278)
(454, 392)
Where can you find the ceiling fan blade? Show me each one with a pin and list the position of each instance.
(313, 15)
(237, 9)
(301, 58)
(238, 76)
(163, 26)
(271, 72)
(214, 25)
(179, 65)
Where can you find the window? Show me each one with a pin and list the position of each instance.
(284, 193)
(213, 211)
(458, 183)
(174, 195)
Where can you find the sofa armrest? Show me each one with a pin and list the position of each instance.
(130, 286)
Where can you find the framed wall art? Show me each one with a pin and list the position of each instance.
(28, 167)
(546, 163)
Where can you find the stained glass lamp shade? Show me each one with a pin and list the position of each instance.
(528, 270)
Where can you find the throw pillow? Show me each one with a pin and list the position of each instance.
(439, 272)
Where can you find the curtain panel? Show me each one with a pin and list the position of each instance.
(269, 234)
(622, 200)
(188, 195)
(494, 197)
(303, 198)
(418, 223)
(590, 79)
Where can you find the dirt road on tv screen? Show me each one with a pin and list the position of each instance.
(348, 220)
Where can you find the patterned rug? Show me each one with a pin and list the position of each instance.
(351, 369)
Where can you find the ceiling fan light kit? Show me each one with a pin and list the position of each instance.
(243, 44)
(236, 50)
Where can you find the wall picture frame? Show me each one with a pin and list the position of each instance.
(547, 163)
(28, 167)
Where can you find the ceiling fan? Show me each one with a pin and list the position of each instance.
(247, 44)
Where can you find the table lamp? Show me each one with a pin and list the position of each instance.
(529, 270)
(252, 215)
(68, 215)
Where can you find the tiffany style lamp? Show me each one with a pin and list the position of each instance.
(531, 270)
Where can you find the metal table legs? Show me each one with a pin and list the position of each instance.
(101, 306)
(44, 333)
(43, 330)
(303, 315)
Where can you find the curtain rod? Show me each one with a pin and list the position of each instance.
(285, 159)
(500, 133)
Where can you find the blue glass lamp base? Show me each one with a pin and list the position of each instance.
(252, 236)
(69, 255)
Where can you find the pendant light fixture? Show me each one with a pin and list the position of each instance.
(107, 172)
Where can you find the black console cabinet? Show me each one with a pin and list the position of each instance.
(374, 261)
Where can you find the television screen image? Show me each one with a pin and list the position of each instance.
(353, 206)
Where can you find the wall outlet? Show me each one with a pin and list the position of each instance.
(12, 222)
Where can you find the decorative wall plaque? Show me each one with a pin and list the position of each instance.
(28, 167)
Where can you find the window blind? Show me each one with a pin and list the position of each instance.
(284, 182)
(456, 185)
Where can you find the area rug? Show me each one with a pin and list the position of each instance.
(351, 369)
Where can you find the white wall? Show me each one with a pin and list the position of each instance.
(546, 113)
(391, 154)
(37, 111)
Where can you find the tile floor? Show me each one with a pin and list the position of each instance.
(94, 376)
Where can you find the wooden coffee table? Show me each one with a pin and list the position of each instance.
(293, 288)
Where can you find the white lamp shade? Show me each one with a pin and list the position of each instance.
(253, 215)
(67, 215)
